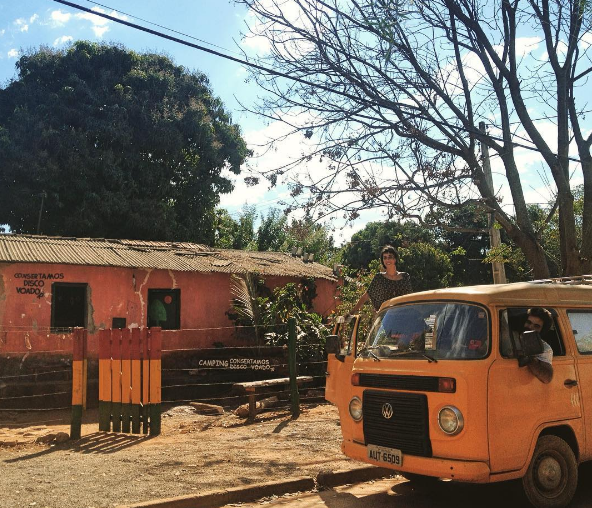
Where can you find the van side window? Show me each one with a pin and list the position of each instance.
(581, 324)
(512, 324)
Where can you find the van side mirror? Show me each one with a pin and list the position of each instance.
(332, 344)
(529, 343)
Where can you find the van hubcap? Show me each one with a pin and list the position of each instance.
(549, 474)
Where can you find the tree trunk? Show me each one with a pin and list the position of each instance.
(533, 252)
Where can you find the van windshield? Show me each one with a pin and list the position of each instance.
(435, 330)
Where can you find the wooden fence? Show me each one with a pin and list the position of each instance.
(130, 380)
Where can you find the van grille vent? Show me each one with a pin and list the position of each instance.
(407, 429)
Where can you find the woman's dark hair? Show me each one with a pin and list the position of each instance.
(388, 249)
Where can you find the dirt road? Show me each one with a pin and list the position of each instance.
(194, 453)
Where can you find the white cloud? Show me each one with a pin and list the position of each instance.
(93, 18)
(586, 41)
(258, 44)
(13, 53)
(100, 25)
(100, 30)
(60, 18)
(525, 45)
(64, 39)
(561, 51)
(242, 194)
(21, 24)
(2, 32)
(264, 159)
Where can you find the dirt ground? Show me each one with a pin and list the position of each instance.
(194, 453)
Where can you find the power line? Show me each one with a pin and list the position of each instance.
(161, 26)
(207, 50)
(263, 68)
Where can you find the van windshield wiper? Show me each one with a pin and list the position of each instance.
(368, 350)
(428, 357)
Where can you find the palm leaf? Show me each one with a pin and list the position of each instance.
(242, 297)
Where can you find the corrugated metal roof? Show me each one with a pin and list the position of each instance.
(179, 256)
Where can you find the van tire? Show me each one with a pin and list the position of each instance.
(552, 476)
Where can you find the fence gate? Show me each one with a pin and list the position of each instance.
(130, 380)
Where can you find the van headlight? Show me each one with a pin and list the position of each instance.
(355, 409)
(450, 420)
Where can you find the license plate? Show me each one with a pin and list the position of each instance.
(383, 454)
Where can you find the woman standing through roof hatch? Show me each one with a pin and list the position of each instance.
(386, 285)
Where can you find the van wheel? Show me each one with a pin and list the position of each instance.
(552, 477)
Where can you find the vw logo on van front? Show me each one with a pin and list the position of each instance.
(387, 411)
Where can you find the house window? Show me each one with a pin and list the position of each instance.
(68, 305)
(164, 308)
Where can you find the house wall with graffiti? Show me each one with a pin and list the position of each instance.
(39, 303)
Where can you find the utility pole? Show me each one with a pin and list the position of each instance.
(499, 272)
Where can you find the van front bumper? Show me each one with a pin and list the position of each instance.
(460, 470)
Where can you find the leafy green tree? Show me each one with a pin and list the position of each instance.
(271, 234)
(312, 238)
(354, 285)
(117, 144)
(429, 266)
(365, 245)
(235, 234)
(464, 237)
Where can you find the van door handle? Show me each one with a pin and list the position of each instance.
(569, 383)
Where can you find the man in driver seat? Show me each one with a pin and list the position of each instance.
(539, 320)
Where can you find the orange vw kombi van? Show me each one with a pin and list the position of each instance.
(436, 390)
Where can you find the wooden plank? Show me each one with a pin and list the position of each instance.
(105, 380)
(293, 367)
(252, 407)
(84, 367)
(145, 380)
(155, 353)
(126, 380)
(271, 382)
(135, 354)
(77, 383)
(116, 380)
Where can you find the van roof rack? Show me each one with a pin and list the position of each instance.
(569, 281)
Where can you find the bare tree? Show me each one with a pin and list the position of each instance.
(392, 92)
